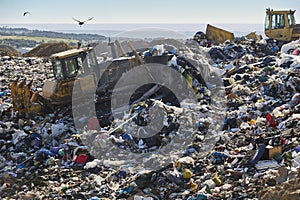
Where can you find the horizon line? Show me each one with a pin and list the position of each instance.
(127, 23)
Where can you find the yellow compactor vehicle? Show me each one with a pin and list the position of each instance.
(281, 25)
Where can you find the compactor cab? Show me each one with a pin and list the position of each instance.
(281, 25)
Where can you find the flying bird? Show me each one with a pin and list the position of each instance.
(26, 13)
(82, 22)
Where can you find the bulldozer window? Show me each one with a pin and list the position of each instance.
(71, 68)
(57, 69)
(291, 19)
(91, 59)
(267, 22)
(278, 21)
(80, 65)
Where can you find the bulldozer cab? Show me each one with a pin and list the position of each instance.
(67, 66)
(280, 24)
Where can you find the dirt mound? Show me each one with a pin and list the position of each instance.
(6, 50)
(47, 49)
(287, 191)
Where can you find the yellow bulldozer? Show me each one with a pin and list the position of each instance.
(80, 66)
(281, 25)
(57, 90)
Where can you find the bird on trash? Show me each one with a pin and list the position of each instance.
(82, 22)
(26, 13)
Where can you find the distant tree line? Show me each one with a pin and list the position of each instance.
(50, 34)
(18, 43)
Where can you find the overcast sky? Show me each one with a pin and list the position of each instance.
(139, 11)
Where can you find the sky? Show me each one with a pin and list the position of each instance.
(141, 12)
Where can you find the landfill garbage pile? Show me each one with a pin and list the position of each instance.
(243, 46)
(256, 149)
(156, 148)
(178, 125)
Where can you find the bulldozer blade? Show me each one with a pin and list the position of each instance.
(20, 98)
(27, 97)
(218, 35)
(14, 92)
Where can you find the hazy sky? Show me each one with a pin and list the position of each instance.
(139, 11)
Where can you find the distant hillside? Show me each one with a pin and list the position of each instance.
(49, 34)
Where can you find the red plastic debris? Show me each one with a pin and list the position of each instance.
(271, 120)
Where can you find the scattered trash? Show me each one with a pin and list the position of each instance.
(44, 157)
